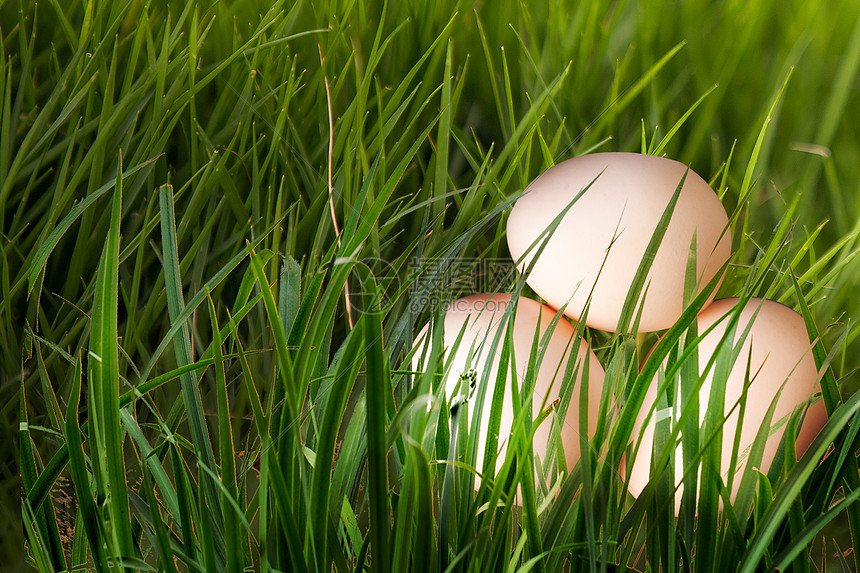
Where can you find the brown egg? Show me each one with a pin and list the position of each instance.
(483, 316)
(603, 237)
(781, 358)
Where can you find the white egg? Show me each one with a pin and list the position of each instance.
(602, 238)
(778, 354)
(481, 317)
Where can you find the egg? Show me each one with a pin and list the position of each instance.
(779, 354)
(596, 249)
(481, 317)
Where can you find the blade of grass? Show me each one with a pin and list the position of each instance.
(182, 347)
(796, 479)
(326, 509)
(232, 531)
(674, 129)
(104, 378)
(165, 552)
(44, 251)
(184, 496)
(833, 399)
(377, 452)
(40, 489)
(632, 300)
(45, 535)
(80, 478)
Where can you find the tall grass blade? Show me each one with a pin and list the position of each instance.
(182, 346)
(632, 301)
(104, 380)
(335, 405)
(165, 551)
(78, 469)
(233, 538)
(377, 450)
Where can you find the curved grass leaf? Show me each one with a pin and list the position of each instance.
(44, 251)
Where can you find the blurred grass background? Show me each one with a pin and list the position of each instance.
(457, 105)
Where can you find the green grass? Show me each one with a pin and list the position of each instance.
(175, 338)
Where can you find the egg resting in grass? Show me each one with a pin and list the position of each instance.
(627, 196)
(781, 363)
(481, 317)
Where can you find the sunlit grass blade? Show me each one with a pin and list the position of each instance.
(752, 165)
(625, 98)
(632, 301)
(638, 381)
(674, 129)
(104, 381)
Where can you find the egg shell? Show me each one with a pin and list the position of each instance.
(483, 316)
(781, 357)
(621, 208)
